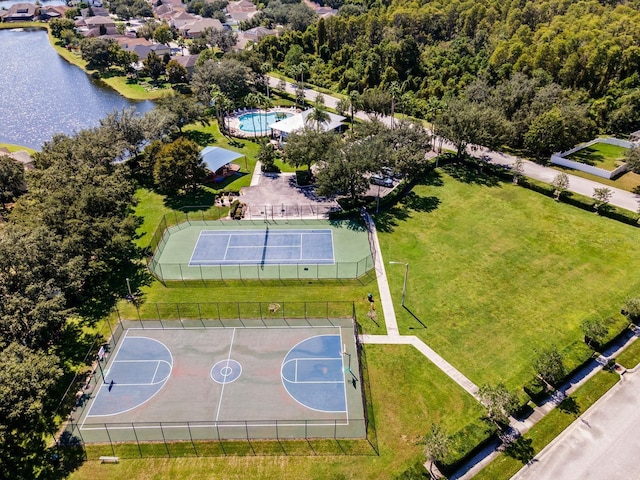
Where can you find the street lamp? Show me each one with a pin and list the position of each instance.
(406, 275)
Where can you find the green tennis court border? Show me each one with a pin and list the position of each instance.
(173, 247)
(278, 437)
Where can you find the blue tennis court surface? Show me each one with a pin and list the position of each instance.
(232, 247)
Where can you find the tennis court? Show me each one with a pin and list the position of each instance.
(229, 250)
(176, 384)
(221, 247)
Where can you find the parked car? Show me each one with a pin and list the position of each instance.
(378, 179)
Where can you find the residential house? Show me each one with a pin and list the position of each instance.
(21, 12)
(53, 11)
(141, 46)
(96, 26)
(94, 12)
(187, 61)
(322, 12)
(20, 156)
(240, 11)
(253, 35)
(195, 28)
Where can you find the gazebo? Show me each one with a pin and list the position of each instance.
(218, 160)
(301, 120)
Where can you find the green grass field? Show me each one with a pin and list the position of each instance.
(498, 272)
(601, 155)
(409, 394)
(507, 464)
(630, 358)
(14, 148)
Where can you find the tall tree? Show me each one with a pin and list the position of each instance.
(437, 445)
(154, 66)
(184, 110)
(467, 123)
(549, 366)
(11, 180)
(560, 184)
(177, 165)
(602, 196)
(499, 402)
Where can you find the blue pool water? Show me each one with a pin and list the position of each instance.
(260, 121)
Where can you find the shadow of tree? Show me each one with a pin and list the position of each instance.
(569, 405)
(227, 181)
(387, 220)
(431, 178)
(201, 138)
(420, 204)
(472, 174)
(521, 450)
(200, 199)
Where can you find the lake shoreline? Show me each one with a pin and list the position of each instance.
(117, 84)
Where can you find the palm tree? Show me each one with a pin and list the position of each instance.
(319, 116)
(265, 68)
(394, 90)
(252, 100)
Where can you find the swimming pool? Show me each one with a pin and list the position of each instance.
(258, 122)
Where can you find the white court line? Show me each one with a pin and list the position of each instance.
(320, 423)
(155, 371)
(115, 356)
(346, 403)
(195, 248)
(226, 249)
(295, 374)
(283, 379)
(224, 383)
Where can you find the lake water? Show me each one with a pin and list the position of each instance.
(42, 94)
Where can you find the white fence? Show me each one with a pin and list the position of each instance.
(560, 158)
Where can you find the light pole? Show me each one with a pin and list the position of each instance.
(406, 275)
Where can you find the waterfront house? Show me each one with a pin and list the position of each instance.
(21, 12)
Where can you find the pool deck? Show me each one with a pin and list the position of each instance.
(234, 120)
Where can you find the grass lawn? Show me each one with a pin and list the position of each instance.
(409, 394)
(15, 148)
(628, 181)
(498, 272)
(601, 155)
(630, 358)
(507, 464)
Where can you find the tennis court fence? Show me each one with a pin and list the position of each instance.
(221, 438)
(183, 272)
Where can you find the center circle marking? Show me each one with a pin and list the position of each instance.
(226, 371)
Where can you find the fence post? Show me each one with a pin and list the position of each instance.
(191, 438)
(106, 429)
(164, 440)
(135, 434)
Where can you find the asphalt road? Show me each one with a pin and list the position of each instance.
(603, 443)
(620, 198)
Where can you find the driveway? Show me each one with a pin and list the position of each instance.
(603, 443)
(277, 196)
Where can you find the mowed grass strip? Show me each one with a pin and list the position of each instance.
(409, 394)
(510, 462)
(601, 155)
(497, 273)
(630, 357)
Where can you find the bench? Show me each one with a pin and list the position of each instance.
(109, 459)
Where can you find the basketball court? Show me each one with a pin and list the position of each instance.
(227, 383)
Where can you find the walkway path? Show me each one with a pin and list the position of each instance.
(579, 185)
(490, 452)
(393, 334)
(583, 186)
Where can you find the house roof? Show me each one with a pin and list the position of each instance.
(187, 61)
(21, 10)
(241, 6)
(299, 121)
(217, 157)
(95, 21)
(97, 12)
(199, 25)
